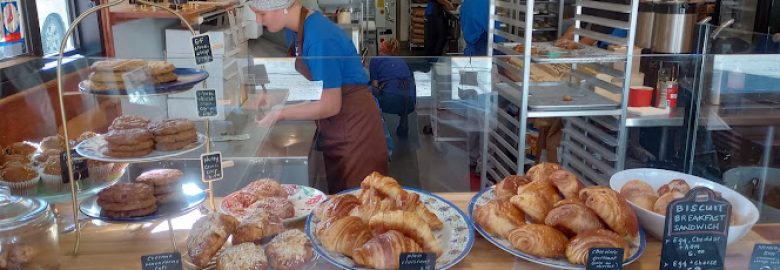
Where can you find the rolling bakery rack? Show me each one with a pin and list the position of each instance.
(61, 93)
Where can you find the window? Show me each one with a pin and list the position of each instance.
(12, 40)
(54, 19)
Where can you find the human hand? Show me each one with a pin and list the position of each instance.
(264, 100)
(269, 119)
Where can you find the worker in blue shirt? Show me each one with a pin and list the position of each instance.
(393, 84)
(474, 18)
(436, 26)
(350, 132)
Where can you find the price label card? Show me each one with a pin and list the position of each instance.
(605, 259)
(207, 102)
(765, 257)
(417, 261)
(163, 261)
(696, 231)
(211, 166)
(80, 170)
(202, 47)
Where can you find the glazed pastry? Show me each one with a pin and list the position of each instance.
(499, 217)
(383, 184)
(677, 184)
(336, 206)
(207, 236)
(533, 205)
(246, 256)
(663, 202)
(542, 170)
(538, 240)
(289, 250)
(256, 227)
(411, 202)
(640, 193)
(343, 235)
(566, 183)
(508, 186)
(367, 210)
(543, 188)
(408, 223)
(612, 209)
(266, 188)
(384, 250)
(572, 217)
(579, 247)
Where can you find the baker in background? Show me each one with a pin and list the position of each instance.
(436, 27)
(474, 19)
(393, 84)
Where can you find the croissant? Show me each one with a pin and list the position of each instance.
(370, 195)
(579, 247)
(541, 171)
(676, 184)
(533, 205)
(384, 184)
(408, 223)
(543, 188)
(663, 202)
(384, 250)
(572, 217)
(566, 182)
(342, 234)
(411, 202)
(367, 210)
(612, 208)
(337, 206)
(640, 193)
(538, 240)
(499, 217)
(508, 186)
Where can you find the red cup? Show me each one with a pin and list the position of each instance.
(640, 96)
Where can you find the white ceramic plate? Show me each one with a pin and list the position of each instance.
(303, 198)
(456, 238)
(487, 195)
(92, 148)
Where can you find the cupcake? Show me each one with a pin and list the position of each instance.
(51, 174)
(99, 170)
(19, 176)
(21, 148)
(53, 143)
(14, 158)
(42, 157)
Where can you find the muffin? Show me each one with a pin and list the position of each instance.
(53, 143)
(42, 157)
(18, 175)
(51, 173)
(14, 158)
(21, 148)
(99, 170)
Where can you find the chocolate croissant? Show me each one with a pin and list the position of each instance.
(543, 188)
(408, 223)
(336, 206)
(579, 247)
(533, 205)
(508, 186)
(343, 234)
(566, 182)
(384, 250)
(538, 240)
(612, 209)
(572, 217)
(640, 193)
(499, 217)
(541, 171)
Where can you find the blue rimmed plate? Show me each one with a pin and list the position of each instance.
(187, 79)
(484, 196)
(456, 238)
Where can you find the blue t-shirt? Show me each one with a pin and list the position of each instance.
(329, 53)
(433, 8)
(391, 71)
(474, 19)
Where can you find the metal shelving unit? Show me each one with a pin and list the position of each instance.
(594, 129)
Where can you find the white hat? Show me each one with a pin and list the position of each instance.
(269, 4)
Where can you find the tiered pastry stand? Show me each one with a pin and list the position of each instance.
(73, 189)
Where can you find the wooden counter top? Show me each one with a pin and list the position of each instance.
(121, 246)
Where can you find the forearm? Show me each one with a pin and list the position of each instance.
(328, 105)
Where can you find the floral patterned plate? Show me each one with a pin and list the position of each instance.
(456, 238)
(487, 195)
(303, 198)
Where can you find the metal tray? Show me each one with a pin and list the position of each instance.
(549, 96)
(549, 54)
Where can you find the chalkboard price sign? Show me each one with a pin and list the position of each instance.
(163, 261)
(417, 261)
(206, 102)
(211, 166)
(605, 259)
(765, 257)
(80, 170)
(696, 231)
(202, 47)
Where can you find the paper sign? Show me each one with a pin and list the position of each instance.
(206, 102)
(202, 47)
(417, 261)
(211, 166)
(605, 259)
(300, 89)
(163, 261)
(765, 257)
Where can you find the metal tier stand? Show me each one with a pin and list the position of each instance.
(587, 150)
(61, 90)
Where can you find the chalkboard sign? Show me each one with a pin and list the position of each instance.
(605, 259)
(207, 102)
(417, 261)
(163, 261)
(80, 170)
(202, 48)
(696, 231)
(765, 257)
(211, 166)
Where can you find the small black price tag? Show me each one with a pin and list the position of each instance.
(162, 261)
(211, 166)
(605, 259)
(765, 257)
(207, 102)
(417, 261)
(202, 47)
(696, 231)
(80, 169)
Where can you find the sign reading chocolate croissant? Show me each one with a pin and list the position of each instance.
(579, 247)
(408, 223)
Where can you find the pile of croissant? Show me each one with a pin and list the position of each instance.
(376, 226)
(550, 214)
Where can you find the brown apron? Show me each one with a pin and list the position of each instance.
(352, 142)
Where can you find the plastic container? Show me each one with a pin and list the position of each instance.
(28, 233)
(640, 96)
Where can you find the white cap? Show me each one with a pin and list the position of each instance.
(267, 5)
